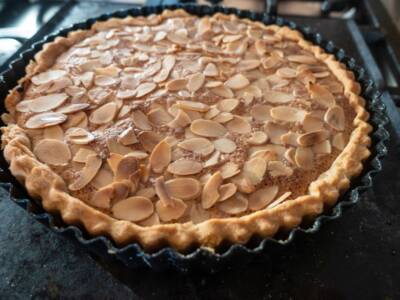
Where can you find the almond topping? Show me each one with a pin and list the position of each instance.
(102, 80)
(137, 154)
(222, 91)
(160, 157)
(255, 169)
(183, 188)
(247, 65)
(280, 199)
(43, 103)
(277, 97)
(71, 108)
(141, 121)
(199, 146)
(82, 155)
(181, 120)
(104, 114)
(262, 197)
(311, 138)
(302, 59)
(133, 209)
(234, 205)
(102, 197)
(149, 192)
(339, 141)
(192, 105)
(48, 76)
(167, 65)
(113, 161)
(185, 167)
(334, 117)
(225, 145)
(53, 132)
(322, 148)
(213, 160)
(159, 116)
(211, 113)
(229, 170)
(126, 94)
(210, 70)
(239, 125)
(237, 82)
(321, 95)
(311, 123)
(176, 85)
(127, 137)
(226, 191)
(79, 136)
(144, 89)
(89, 171)
(195, 82)
(257, 138)
(227, 105)
(126, 167)
(290, 138)
(53, 152)
(46, 119)
(207, 128)
(213, 84)
(286, 73)
(288, 114)
(210, 192)
(304, 158)
(278, 168)
(149, 140)
(261, 112)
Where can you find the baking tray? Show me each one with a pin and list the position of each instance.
(132, 255)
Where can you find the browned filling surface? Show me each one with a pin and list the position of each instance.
(186, 120)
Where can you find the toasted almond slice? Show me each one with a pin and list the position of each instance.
(126, 167)
(260, 47)
(113, 161)
(48, 76)
(176, 38)
(302, 59)
(154, 219)
(213, 160)
(322, 148)
(239, 125)
(127, 137)
(279, 200)
(87, 79)
(223, 117)
(192, 105)
(82, 155)
(138, 154)
(261, 112)
(112, 71)
(257, 138)
(278, 168)
(222, 91)
(339, 141)
(181, 120)
(274, 132)
(102, 197)
(176, 84)
(311, 123)
(133, 209)
(203, 26)
(141, 121)
(126, 94)
(104, 114)
(229, 170)
(103, 178)
(115, 147)
(271, 62)
(290, 138)
(185, 167)
(211, 70)
(213, 84)
(102, 80)
(79, 136)
(52, 152)
(44, 103)
(286, 72)
(304, 158)
(210, 193)
(255, 169)
(207, 128)
(152, 69)
(149, 140)
(313, 137)
(243, 184)
(225, 145)
(195, 82)
(46, 119)
(247, 65)
(159, 117)
(89, 171)
(237, 82)
(159, 36)
(167, 65)
(227, 105)
(234, 205)
(288, 114)
(289, 155)
(278, 97)
(148, 192)
(53, 132)
(201, 146)
(266, 154)
(212, 112)
(335, 118)
(160, 157)
(198, 214)
(145, 88)
(262, 197)
(321, 95)
(183, 188)
(226, 191)
(73, 107)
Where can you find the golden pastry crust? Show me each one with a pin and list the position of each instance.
(45, 184)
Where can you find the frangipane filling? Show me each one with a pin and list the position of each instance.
(186, 120)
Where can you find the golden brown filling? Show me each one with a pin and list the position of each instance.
(189, 119)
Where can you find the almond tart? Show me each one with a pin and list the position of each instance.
(187, 131)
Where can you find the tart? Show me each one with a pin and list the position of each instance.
(186, 131)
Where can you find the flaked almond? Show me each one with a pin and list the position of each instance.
(184, 167)
(141, 121)
(200, 146)
(211, 70)
(262, 197)
(145, 88)
(286, 72)
(105, 81)
(82, 155)
(212, 112)
(126, 167)
(227, 105)
(289, 155)
(113, 161)
(321, 95)
(243, 184)
(335, 118)
(222, 91)
(159, 36)
(261, 47)
(257, 138)
(115, 147)
(52, 152)
(313, 137)
(237, 82)
(127, 137)
(304, 157)
(339, 141)
(226, 191)
(280, 199)
(176, 85)
(278, 97)
(261, 112)
(167, 65)
(133, 209)
(213, 84)
(288, 114)
(160, 157)
(223, 117)
(322, 148)
(46, 119)
(177, 38)
(302, 59)
(234, 205)
(159, 117)
(254, 170)
(239, 125)
(43, 103)
(126, 94)
(154, 219)
(183, 188)
(210, 193)
(111, 70)
(192, 105)
(213, 160)
(152, 69)
(290, 138)
(72, 108)
(53, 132)
(225, 145)
(149, 139)
(148, 192)
(311, 123)
(204, 26)
(87, 79)
(207, 128)
(195, 82)
(247, 65)
(79, 136)
(277, 168)
(89, 171)
(229, 170)
(48, 76)
(102, 197)
(139, 155)
(181, 120)
(104, 114)
(271, 62)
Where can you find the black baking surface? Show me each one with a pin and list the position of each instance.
(354, 257)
